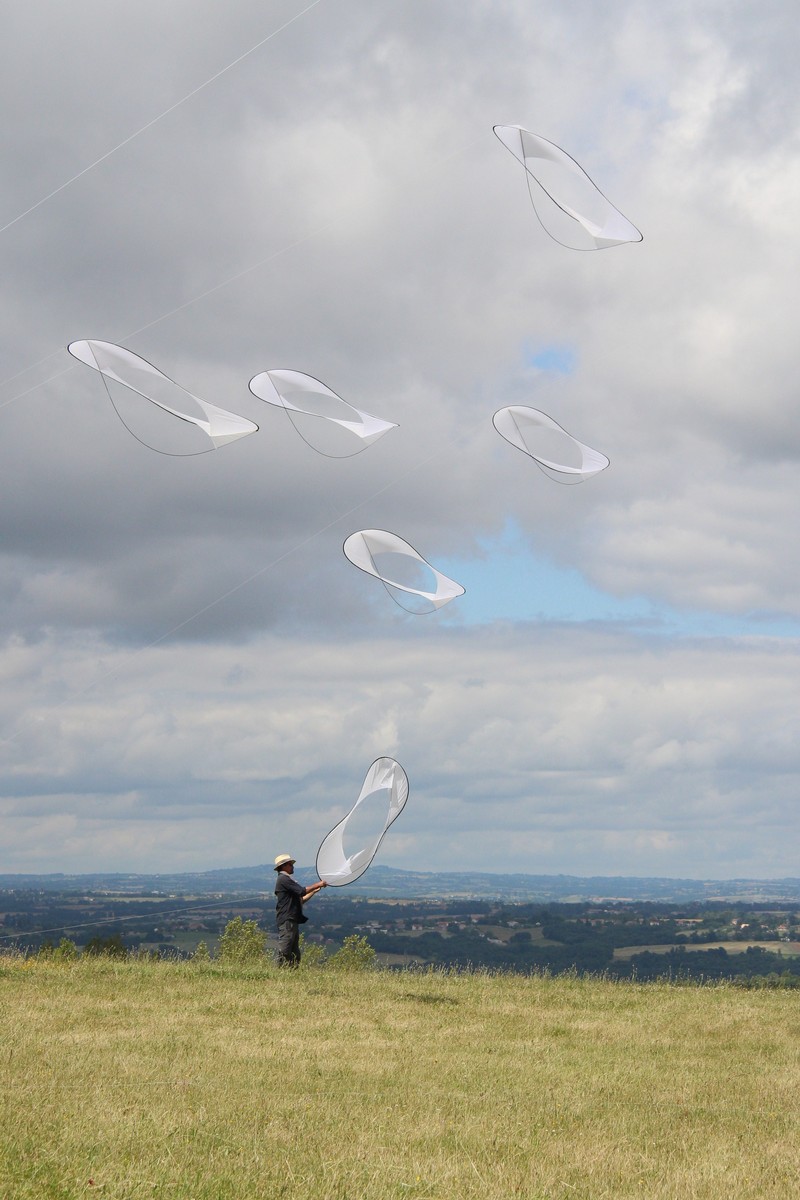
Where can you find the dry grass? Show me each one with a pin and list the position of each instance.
(159, 1079)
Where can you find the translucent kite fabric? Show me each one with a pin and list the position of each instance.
(561, 456)
(121, 366)
(571, 209)
(386, 784)
(301, 396)
(399, 567)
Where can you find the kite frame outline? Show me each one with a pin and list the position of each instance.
(545, 464)
(164, 408)
(318, 416)
(530, 176)
(375, 573)
(349, 813)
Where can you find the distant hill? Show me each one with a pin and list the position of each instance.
(381, 881)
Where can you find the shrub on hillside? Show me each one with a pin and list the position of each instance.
(65, 951)
(311, 953)
(201, 953)
(242, 942)
(108, 947)
(775, 979)
(356, 954)
(142, 954)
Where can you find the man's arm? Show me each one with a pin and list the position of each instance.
(313, 889)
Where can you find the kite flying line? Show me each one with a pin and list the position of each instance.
(262, 262)
(234, 902)
(126, 141)
(113, 671)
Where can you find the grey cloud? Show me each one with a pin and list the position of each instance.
(378, 237)
(570, 733)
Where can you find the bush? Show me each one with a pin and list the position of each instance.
(311, 953)
(201, 954)
(65, 951)
(109, 947)
(142, 954)
(784, 979)
(242, 942)
(356, 954)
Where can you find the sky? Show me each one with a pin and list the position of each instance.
(194, 676)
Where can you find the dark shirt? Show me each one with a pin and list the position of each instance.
(288, 906)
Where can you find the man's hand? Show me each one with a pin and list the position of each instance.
(314, 888)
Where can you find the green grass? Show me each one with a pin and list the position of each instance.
(171, 1080)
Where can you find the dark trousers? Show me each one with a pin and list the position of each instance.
(288, 944)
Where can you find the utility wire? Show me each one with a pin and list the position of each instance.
(262, 262)
(171, 912)
(126, 141)
(280, 558)
(238, 586)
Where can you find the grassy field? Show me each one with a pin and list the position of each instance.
(138, 1079)
(788, 949)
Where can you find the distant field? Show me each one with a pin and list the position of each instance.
(789, 949)
(158, 1079)
(503, 933)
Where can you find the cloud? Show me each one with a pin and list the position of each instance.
(521, 732)
(337, 204)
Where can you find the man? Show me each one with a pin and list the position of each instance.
(289, 909)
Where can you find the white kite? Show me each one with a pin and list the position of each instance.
(399, 567)
(561, 456)
(385, 785)
(302, 396)
(121, 366)
(570, 208)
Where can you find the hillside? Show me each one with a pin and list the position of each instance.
(141, 1079)
(383, 881)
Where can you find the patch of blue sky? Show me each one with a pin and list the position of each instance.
(559, 359)
(512, 583)
(636, 97)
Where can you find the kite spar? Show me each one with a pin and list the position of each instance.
(570, 207)
(385, 783)
(540, 437)
(302, 396)
(400, 569)
(118, 365)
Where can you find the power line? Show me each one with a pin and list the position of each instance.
(126, 141)
(113, 671)
(262, 262)
(164, 316)
(135, 917)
